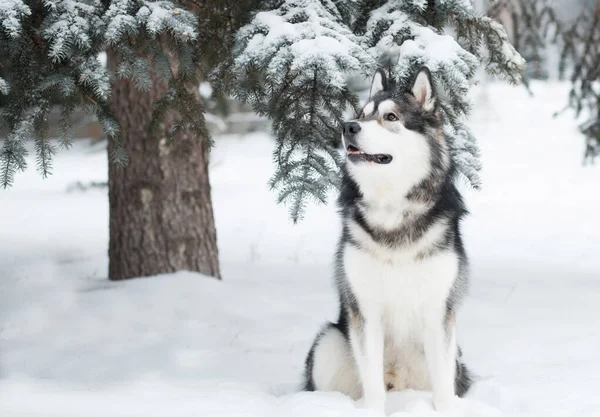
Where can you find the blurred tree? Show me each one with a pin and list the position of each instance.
(581, 41)
(573, 27)
(161, 216)
(532, 26)
(291, 62)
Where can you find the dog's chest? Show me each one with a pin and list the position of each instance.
(397, 283)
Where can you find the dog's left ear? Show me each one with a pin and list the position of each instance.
(423, 89)
(379, 83)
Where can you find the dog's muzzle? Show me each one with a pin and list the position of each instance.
(355, 154)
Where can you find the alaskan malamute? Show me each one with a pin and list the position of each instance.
(401, 269)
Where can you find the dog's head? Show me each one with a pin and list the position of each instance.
(396, 139)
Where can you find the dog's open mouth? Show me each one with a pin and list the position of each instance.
(355, 155)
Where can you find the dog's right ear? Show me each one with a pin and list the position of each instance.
(379, 83)
(423, 89)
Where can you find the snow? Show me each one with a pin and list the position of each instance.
(436, 50)
(73, 344)
(205, 89)
(4, 87)
(103, 59)
(420, 4)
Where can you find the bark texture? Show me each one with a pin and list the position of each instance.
(161, 215)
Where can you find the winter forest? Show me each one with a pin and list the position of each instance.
(179, 180)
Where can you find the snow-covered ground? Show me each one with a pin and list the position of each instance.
(73, 344)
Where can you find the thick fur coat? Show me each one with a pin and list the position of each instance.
(401, 268)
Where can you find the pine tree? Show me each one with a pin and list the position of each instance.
(292, 63)
(582, 48)
(161, 214)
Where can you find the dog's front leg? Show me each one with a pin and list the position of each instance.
(440, 354)
(366, 336)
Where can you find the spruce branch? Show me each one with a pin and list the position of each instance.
(298, 79)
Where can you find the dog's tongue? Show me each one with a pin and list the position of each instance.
(351, 150)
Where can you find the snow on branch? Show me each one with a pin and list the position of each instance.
(11, 14)
(300, 34)
(4, 87)
(128, 17)
(72, 24)
(159, 16)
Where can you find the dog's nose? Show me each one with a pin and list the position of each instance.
(351, 128)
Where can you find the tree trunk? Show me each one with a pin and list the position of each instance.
(161, 216)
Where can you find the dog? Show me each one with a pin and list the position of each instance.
(401, 268)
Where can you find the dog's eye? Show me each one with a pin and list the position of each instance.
(391, 117)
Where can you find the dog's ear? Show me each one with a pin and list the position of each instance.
(379, 83)
(423, 89)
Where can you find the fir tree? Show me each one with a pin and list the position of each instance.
(148, 94)
(51, 49)
(292, 63)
